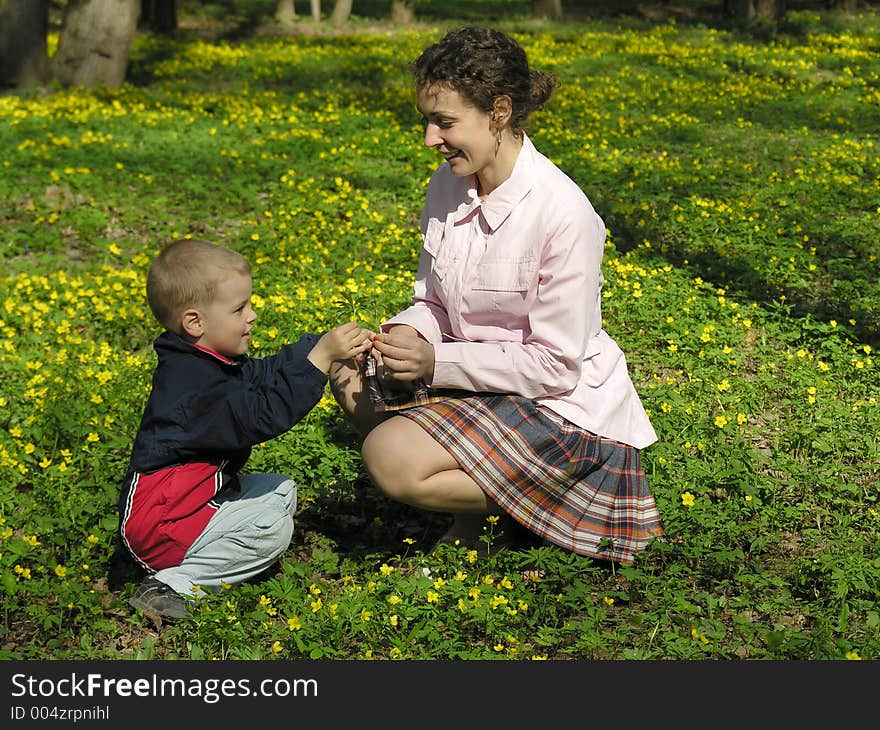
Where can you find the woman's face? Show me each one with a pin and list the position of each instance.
(459, 131)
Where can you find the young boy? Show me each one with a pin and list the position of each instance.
(187, 515)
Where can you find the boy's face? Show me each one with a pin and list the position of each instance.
(226, 322)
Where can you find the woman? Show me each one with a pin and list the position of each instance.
(497, 391)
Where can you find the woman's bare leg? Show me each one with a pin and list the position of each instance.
(407, 464)
(411, 467)
(347, 386)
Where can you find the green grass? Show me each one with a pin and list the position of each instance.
(740, 181)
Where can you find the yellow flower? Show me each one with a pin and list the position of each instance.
(60, 571)
(392, 619)
(432, 596)
(699, 635)
(721, 421)
(386, 569)
(687, 499)
(276, 647)
(366, 615)
(294, 624)
(853, 656)
(609, 601)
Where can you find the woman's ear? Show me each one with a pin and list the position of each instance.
(502, 108)
(191, 321)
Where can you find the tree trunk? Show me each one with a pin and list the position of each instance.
(341, 13)
(285, 14)
(402, 12)
(316, 10)
(24, 25)
(160, 16)
(547, 9)
(746, 11)
(844, 4)
(95, 41)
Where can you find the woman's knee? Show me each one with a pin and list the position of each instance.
(347, 386)
(402, 460)
(386, 466)
(345, 383)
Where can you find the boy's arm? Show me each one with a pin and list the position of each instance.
(274, 394)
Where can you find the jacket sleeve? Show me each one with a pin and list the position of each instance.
(271, 396)
(426, 314)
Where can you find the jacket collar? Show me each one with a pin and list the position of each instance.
(501, 201)
(171, 342)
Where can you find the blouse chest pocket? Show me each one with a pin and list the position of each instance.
(433, 245)
(505, 276)
(502, 286)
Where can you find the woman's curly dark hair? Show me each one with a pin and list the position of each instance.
(483, 64)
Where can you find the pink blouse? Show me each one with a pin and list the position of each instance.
(508, 290)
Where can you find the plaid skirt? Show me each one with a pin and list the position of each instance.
(573, 488)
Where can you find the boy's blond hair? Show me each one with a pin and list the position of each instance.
(186, 274)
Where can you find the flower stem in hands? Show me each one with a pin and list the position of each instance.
(405, 357)
(345, 342)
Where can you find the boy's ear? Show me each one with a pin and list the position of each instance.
(191, 321)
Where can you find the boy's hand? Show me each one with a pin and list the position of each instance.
(345, 342)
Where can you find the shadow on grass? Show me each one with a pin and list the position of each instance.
(362, 522)
(847, 276)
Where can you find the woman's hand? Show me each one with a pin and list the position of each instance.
(403, 356)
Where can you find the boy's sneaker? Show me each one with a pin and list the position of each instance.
(156, 597)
